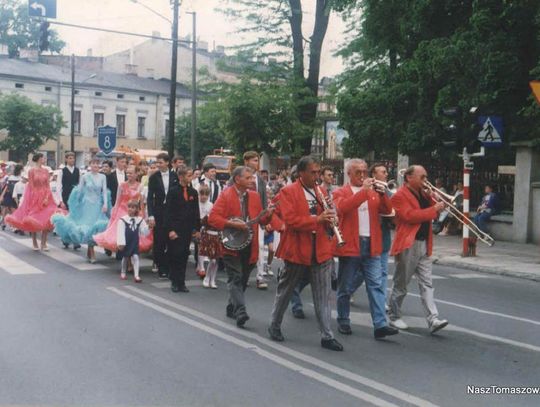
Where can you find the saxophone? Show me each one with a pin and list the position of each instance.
(335, 223)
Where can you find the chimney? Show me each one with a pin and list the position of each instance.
(131, 69)
(150, 73)
(89, 52)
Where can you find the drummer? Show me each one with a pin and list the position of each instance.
(380, 173)
(233, 207)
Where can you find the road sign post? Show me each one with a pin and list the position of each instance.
(107, 139)
(42, 8)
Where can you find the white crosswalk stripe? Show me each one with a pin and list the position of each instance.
(15, 266)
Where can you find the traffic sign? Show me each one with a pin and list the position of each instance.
(42, 8)
(491, 134)
(107, 139)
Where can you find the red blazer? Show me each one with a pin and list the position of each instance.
(347, 204)
(295, 241)
(228, 206)
(409, 217)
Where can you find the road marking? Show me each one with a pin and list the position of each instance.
(482, 311)
(470, 275)
(167, 284)
(64, 256)
(15, 266)
(361, 395)
(391, 391)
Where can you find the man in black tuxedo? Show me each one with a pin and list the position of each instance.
(209, 178)
(116, 177)
(182, 221)
(159, 185)
(67, 180)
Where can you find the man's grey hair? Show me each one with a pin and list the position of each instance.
(239, 171)
(353, 161)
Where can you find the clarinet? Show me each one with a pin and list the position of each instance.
(335, 222)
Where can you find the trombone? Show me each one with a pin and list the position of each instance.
(448, 200)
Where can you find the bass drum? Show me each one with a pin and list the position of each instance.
(236, 239)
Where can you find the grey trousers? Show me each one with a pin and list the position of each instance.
(238, 271)
(319, 277)
(413, 261)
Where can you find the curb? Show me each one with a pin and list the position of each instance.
(488, 269)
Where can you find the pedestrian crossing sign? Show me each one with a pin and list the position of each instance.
(492, 131)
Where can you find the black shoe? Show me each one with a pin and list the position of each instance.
(108, 252)
(333, 284)
(66, 245)
(344, 329)
(229, 311)
(331, 344)
(385, 331)
(275, 334)
(162, 276)
(183, 289)
(241, 320)
(298, 313)
(174, 288)
(77, 247)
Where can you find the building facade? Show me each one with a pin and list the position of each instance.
(137, 107)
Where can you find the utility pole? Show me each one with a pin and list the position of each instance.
(174, 64)
(194, 89)
(72, 133)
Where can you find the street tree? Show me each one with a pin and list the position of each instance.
(275, 34)
(18, 31)
(27, 125)
(410, 59)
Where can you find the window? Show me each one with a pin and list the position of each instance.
(166, 127)
(98, 122)
(121, 125)
(76, 92)
(142, 98)
(19, 85)
(77, 122)
(48, 89)
(120, 96)
(140, 127)
(98, 94)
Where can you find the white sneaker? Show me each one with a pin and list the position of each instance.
(206, 283)
(398, 323)
(213, 285)
(437, 325)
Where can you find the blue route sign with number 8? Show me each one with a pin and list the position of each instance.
(107, 139)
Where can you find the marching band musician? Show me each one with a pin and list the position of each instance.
(305, 246)
(412, 246)
(239, 201)
(360, 207)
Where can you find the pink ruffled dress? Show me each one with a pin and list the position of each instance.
(37, 207)
(107, 239)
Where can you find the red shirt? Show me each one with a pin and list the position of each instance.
(347, 204)
(295, 243)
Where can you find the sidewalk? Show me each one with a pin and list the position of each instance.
(504, 258)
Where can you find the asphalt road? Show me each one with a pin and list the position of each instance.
(75, 334)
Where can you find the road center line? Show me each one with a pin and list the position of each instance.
(482, 311)
(391, 391)
(268, 355)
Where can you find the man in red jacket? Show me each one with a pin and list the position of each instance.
(238, 201)
(305, 246)
(359, 206)
(412, 247)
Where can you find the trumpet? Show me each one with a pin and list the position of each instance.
(335, 222)
(389, 187)
(448, 200)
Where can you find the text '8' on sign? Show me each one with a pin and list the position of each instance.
(107, 139)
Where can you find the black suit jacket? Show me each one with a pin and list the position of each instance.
(182, 216)
(156, 200)
(261, 189)
(112, 185)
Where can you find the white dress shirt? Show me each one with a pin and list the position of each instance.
(363, 216)
(165, 178)
(120, 176)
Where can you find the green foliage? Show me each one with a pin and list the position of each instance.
(409, 59)
(19, 31)
(29, 125)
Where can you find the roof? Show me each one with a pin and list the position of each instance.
(24, 69)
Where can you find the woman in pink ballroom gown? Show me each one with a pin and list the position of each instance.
(37, 207)
(127, 191)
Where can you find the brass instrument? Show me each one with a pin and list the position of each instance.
(335, 223)
(389, 187)
(448, 200)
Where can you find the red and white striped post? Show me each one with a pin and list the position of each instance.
(466, 200)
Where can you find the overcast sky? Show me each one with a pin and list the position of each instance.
(125, 15)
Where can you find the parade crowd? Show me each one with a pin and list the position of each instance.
(170, 210)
